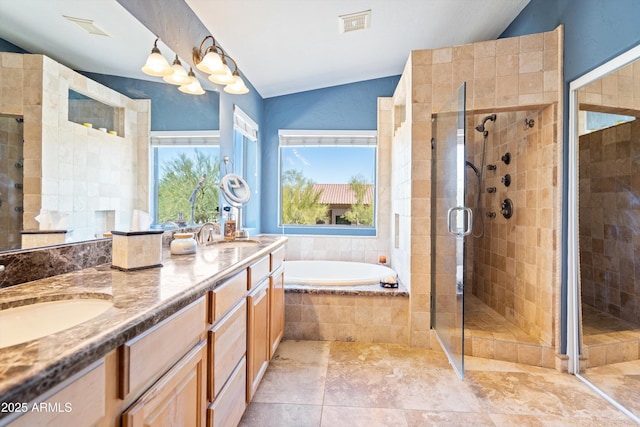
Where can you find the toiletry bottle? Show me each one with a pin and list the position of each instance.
(230, 228)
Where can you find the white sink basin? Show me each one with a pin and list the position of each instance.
(28, 322)
(235, 243)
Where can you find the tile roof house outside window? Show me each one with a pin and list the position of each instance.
(340, 198)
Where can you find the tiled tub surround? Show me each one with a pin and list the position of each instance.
(365, 313)
(141, 299)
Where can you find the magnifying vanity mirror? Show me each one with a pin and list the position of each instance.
(604, 230)
(235, 190)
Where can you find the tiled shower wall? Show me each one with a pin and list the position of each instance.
(609, 219)
(511, 266)
(11, 167)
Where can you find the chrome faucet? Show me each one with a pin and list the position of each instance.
(207, 233)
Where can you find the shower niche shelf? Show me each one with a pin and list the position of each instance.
(92, 113)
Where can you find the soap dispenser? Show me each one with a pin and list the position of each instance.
(229, 225)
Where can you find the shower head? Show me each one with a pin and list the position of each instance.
(480, 127)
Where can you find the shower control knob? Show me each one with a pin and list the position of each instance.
(506, 180)
(506, 158)
(491, 167)
(506, 208)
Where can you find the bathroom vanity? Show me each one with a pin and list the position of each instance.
(182, 344)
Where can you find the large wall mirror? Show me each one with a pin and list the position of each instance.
(604, 230)
(81, 151)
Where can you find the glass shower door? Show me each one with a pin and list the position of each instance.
(451, 223)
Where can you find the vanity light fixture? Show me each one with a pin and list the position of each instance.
(237, 87)
(213, 61)
(193, 87)
(179, 76)
(156, 64)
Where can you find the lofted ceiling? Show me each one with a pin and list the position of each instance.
(281, 46)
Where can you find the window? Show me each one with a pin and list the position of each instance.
(180, 161)
(245, 154)
(327, 178)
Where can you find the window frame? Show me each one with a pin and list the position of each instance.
(318, 138)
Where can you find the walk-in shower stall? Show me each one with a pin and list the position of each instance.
(492, 202)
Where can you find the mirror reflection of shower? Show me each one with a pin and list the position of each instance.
(11, 181)
(478, 231)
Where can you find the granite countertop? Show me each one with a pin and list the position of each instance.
(140, 299)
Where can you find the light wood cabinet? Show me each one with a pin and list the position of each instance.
(177, 399)
(146, 357)
(200, 366)
(257, 336)
(258, 271)
(230, 404)
(226, 295)
(227, 346)
(276, 310)
(78, 402)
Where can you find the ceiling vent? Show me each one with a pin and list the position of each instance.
(87, 25)
(355, 21)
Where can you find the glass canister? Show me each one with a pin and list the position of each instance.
(183, 244)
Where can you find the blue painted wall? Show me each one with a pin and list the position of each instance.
(346, 107)
(595, 31)
(170, 108)
(6, 46)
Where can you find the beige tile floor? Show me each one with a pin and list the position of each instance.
(333, 384)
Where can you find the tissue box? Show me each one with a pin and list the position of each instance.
(134, 250)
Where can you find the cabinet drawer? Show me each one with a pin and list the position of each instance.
(227, 345)
(226, 295)
(277, 258)
(81, 403)
(146, 357)
(229, 406)
(177, 399)
(258, 272)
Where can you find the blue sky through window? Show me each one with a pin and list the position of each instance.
(331, 164)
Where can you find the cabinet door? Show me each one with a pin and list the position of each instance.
(81, 403)
(177, 399)
(276, 300)
(258, 337)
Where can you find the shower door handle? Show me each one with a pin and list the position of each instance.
(460, 232)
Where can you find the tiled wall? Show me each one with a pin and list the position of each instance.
(521, 73)
(511, 266)
(618, 92)
(609, 220)
(69, 167)
(10, 175)
(346, 318)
